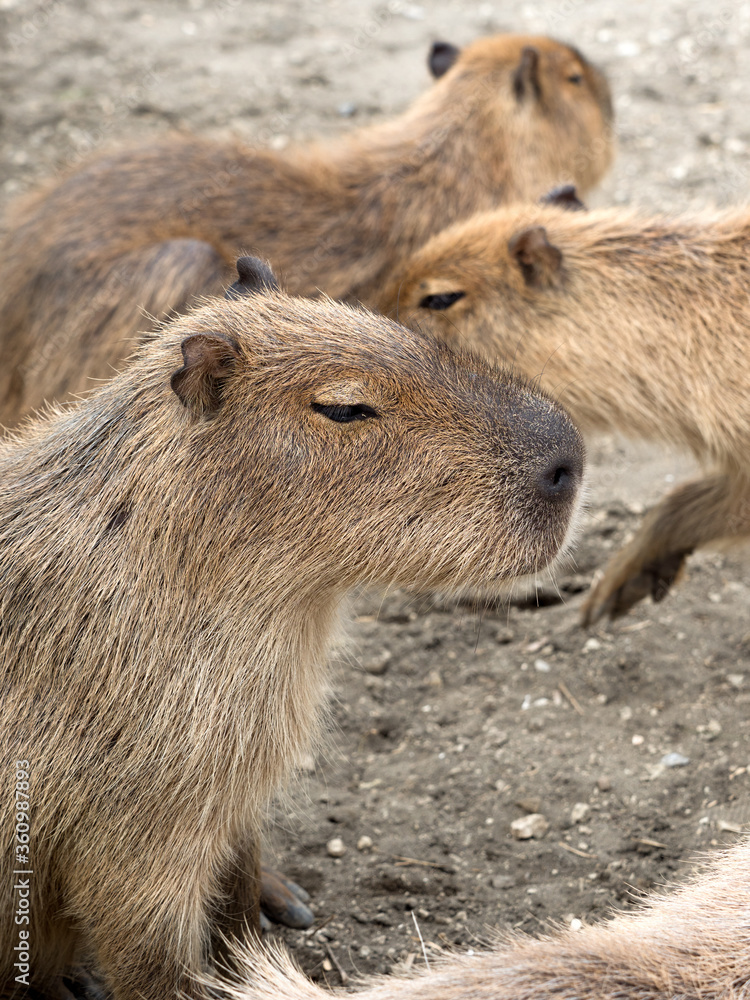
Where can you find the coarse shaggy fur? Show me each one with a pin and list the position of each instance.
(174, 553)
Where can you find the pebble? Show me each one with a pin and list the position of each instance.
(503, 636)
(502, 882)
(580, 812)
(364, 843)
(378, 663)
(711, 731)
(542, 666)
(637, 740)
(591, 645)
(364, 951)
(603, 783)
(336, 847)
(674, 759)
(535, 825)
(530, 805)
(347, 109)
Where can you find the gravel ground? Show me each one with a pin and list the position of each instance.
(449, 725)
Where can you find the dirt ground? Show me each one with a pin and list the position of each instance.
(449, 725)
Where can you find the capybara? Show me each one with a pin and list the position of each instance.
(641, 323)
(148, 228)
(691, 945)
(174, 555)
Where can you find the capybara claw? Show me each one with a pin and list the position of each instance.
(283, 901)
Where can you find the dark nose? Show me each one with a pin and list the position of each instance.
(560, 478)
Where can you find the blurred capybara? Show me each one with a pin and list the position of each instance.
(148, 228)
(691, 945)
(174, 554)
(641, 324)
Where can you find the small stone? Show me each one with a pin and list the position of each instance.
(364, 843)
(576, 924)
(364, 951)
(674, 759)
(637, 740)
(591, 645)
(526, 827)
(347, 109)
(710, 731)
(327, 967)
(542, 666)
(378, 663)
(736, 680)
(604, 784)
(580, 812)
(530, 805)
(502, 882)
(503, 636)
(336, 847)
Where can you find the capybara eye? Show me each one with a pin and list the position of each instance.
(345, 414)
(442, 301)
(575, 78)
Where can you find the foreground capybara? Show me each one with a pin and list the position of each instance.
(691, 945)
(174, 554)
(640, 323)
(148, 228)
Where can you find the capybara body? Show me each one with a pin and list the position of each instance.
(640, 323)
(148, 228)
(691, 945)
(174, 553)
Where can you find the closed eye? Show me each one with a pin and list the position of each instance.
(441, 301)
(345, 413)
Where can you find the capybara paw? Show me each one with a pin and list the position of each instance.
(619, 587)
(283, 901)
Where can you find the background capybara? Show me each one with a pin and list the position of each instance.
(640, 323)
(692, 943)
(174, 554)
(150, 227)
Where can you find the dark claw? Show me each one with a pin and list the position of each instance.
(283, 901)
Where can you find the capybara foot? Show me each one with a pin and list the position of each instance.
(283, 901)
(625, 582)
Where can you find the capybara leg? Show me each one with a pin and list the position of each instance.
(283, 901)
(692, 515)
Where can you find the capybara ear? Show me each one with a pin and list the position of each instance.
(526, 75)
(254, 276)
(564, 196)
(539, 260)
(209, 358)
(441, 58)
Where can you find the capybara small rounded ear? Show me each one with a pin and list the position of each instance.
(209, 359)
(526, 75)
(254, 277)
(441, 58)
(564, 196)
(540, 262)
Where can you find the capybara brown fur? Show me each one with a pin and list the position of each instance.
(175, 551)
(148, 228)
(639, 322)
(693, 944)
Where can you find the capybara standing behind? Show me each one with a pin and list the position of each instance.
(174, 554)
(691, 945)
(640, 323)
(150, 227)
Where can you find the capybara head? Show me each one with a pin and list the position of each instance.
(560, 103)
(492, 284)
(367, 450)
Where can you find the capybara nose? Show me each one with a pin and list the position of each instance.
(560, 479)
